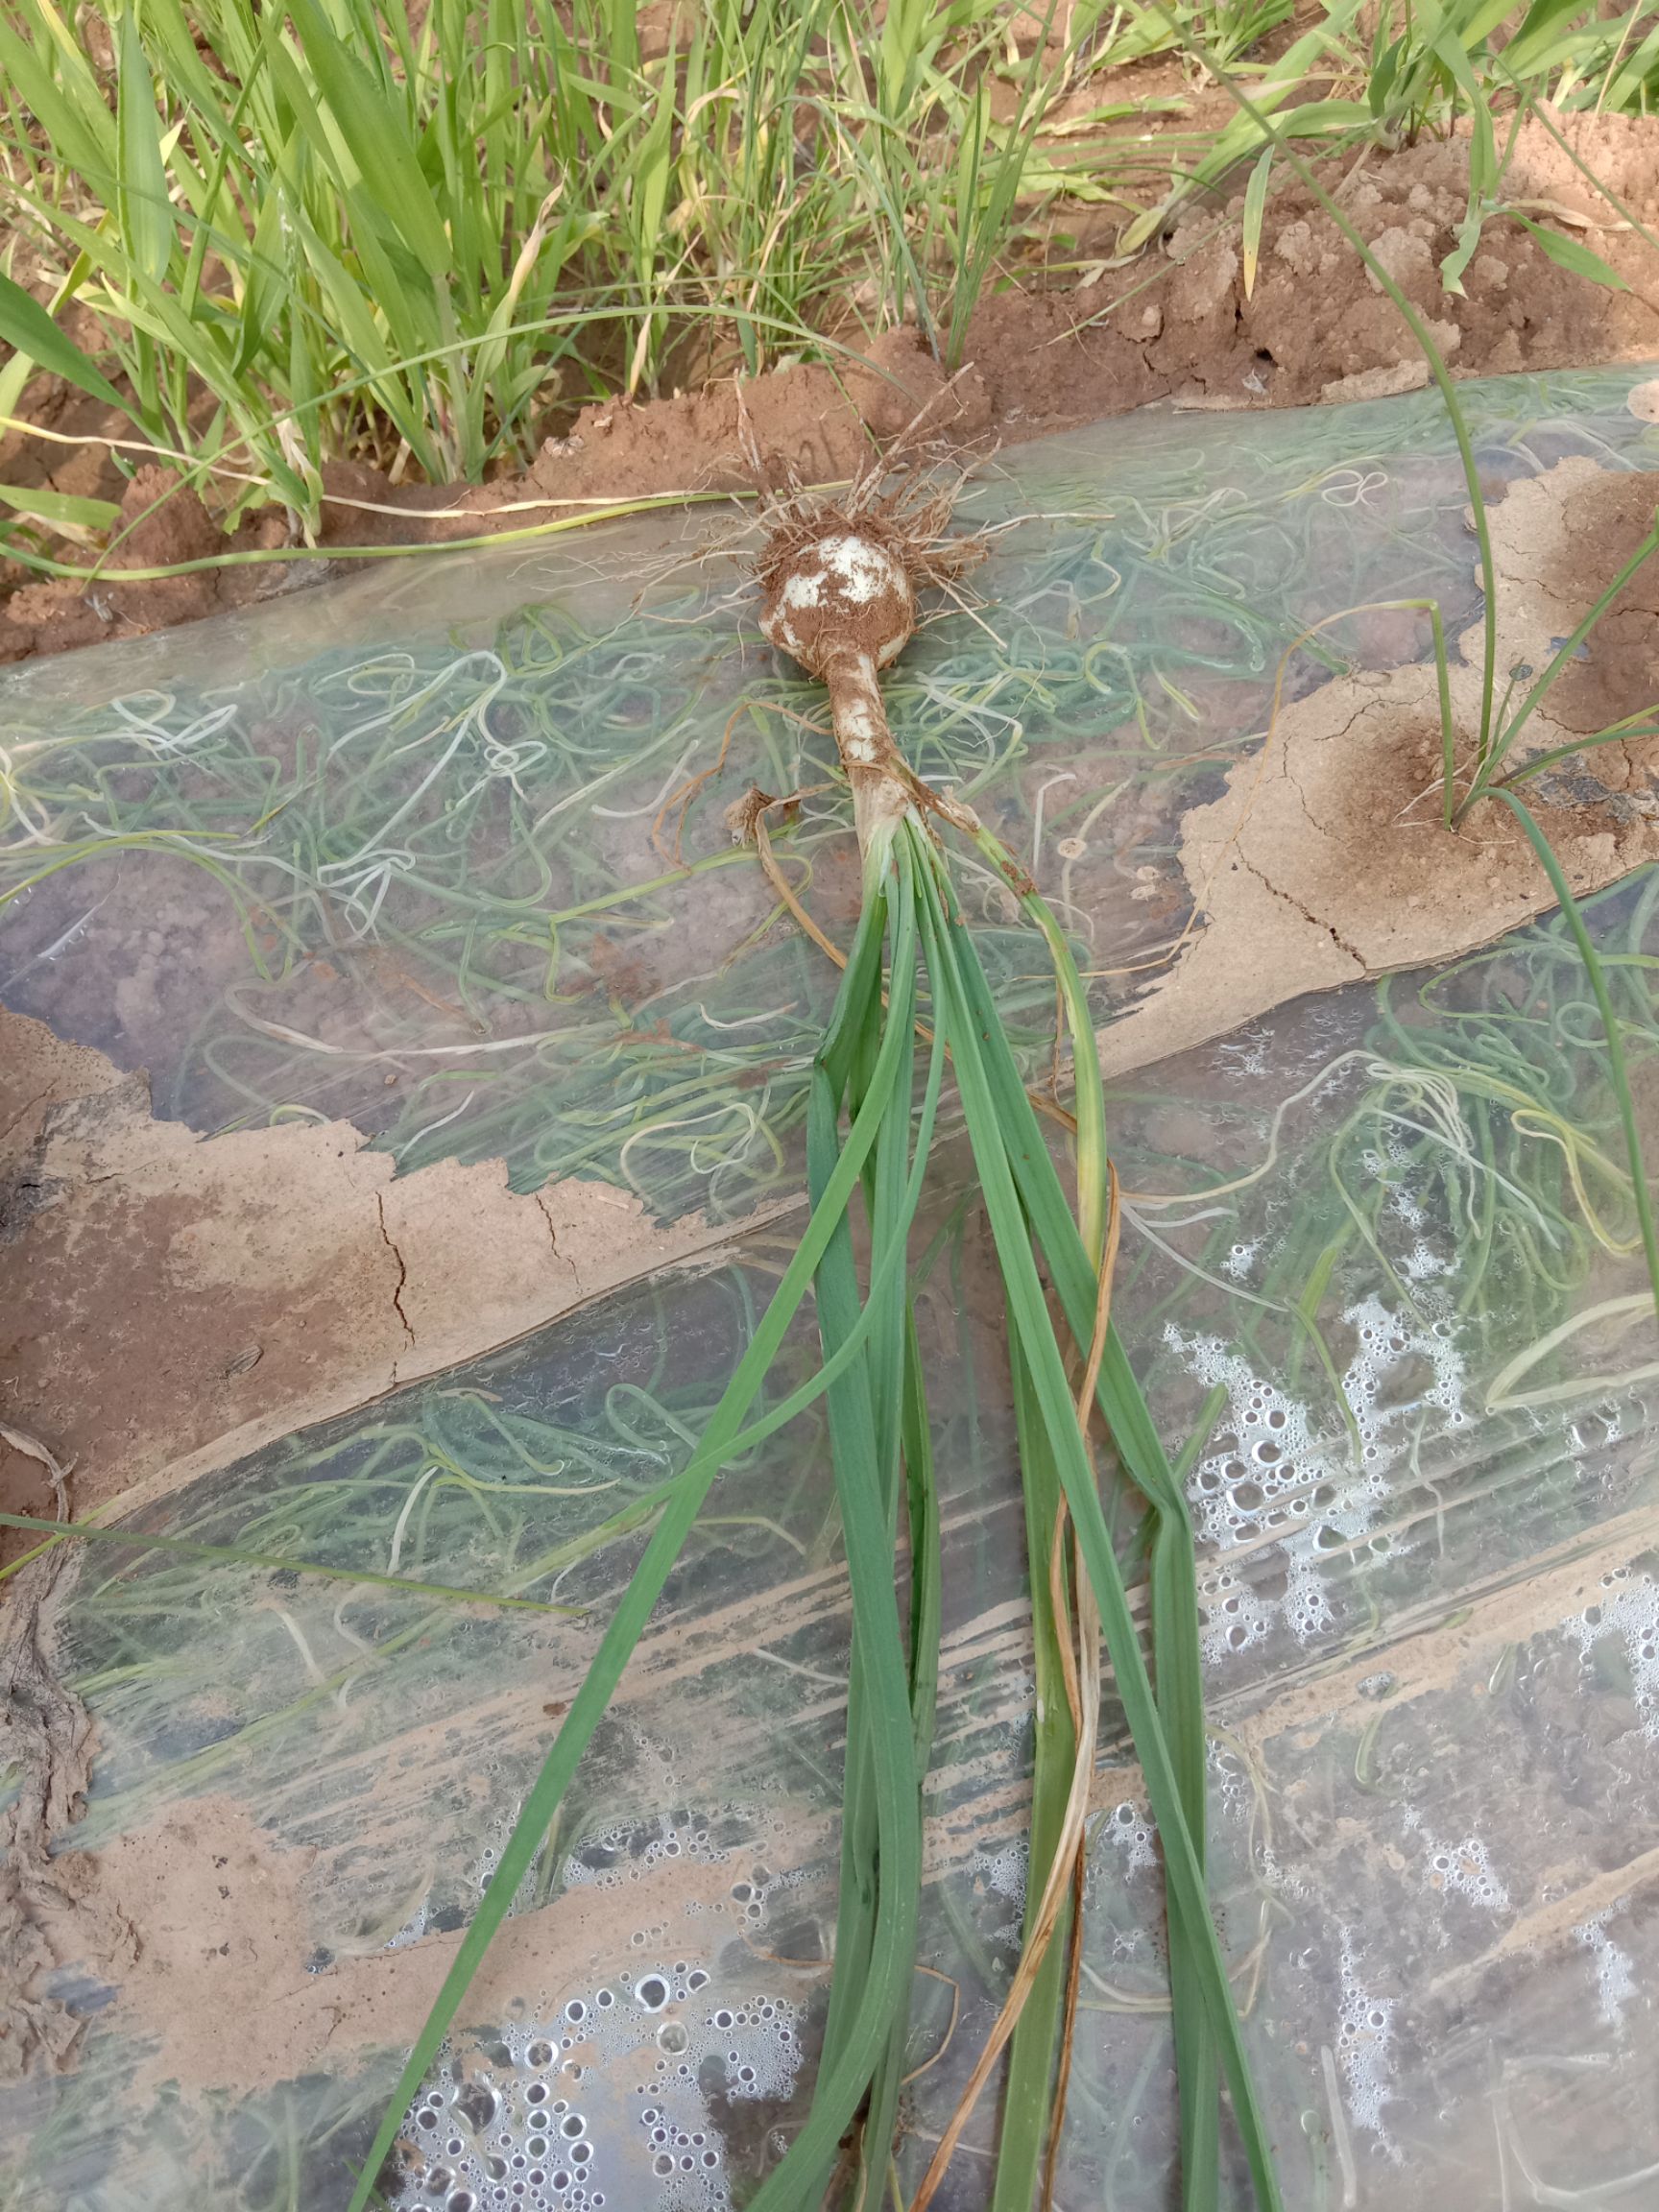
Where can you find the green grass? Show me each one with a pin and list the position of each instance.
(1488, 746)
(311, 230)
(315, 231)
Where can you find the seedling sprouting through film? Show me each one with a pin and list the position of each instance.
(1477, 765)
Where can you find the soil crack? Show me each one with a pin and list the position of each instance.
(1321, 828)
(564, 1260)
(1313, 920)
(402, 1269)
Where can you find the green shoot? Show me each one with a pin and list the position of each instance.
(1492, 745)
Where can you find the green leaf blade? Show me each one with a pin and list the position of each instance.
(26, 324)
(1571, 254)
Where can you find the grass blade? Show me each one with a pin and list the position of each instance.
(1570, 254)
(26, 324)
(237, 1555)
(72, 516)
(634, 1607)
(1072, 1254)
(921, 1496)
(1255, 207)
(1035, 2040)
(375, 133)
(867, 1416)
(978, 1045)
(146, 212)
(1616, 1069)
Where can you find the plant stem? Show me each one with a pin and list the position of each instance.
(882, 793)
(1419, 331)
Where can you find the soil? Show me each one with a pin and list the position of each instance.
(1600, 528)
(1326, 858)
(46, 1745)
(225, 1908)
(180, 1301)
(217, 1910)
(183, 1299)
(1176, 325)
(201, 1905)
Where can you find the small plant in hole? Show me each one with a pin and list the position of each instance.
(1489, 774)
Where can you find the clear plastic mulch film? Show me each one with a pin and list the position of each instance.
(462, 824)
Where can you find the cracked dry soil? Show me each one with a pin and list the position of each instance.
(184, 1299)
(1325, 860)
(181, 1300)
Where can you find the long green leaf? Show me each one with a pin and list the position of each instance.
(1255, 207)
(73, 117)
(1023, 2132)
(1074, 1254)
(881, 1855)
(843, 1059)
(181, 63)
(722, 1436)
(1571, 254)
(26, 324)
(1612, 1035)
(921, 1498)
(146, 212)
(375, 129)
(59, 507)
(977, 1045)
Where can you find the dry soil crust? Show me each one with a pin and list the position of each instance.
(1176, 324)
(1325, 860)
(179, 1300)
